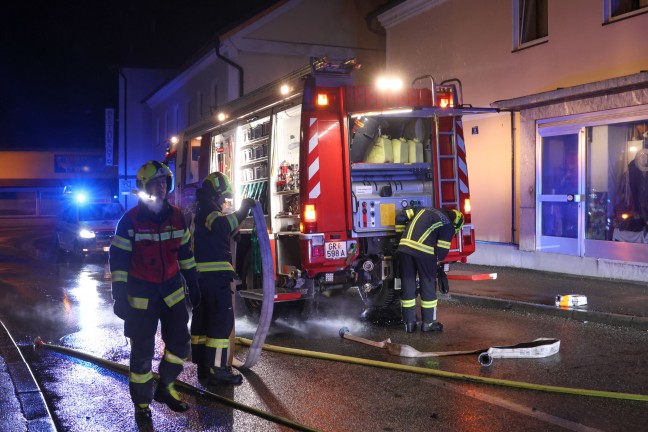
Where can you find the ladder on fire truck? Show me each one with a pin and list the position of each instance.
(447, 162)
(450, 161)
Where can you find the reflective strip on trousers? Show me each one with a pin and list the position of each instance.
(119, 276)
(140, 378)
(138, 302)
(198, 340)
(172, 358)
(174, 297)
(429, 304)
(408, 303)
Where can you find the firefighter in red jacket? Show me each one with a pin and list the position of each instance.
(213, 319)
(425, 241)
(149, 256)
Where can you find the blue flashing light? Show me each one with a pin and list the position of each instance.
(81, 197)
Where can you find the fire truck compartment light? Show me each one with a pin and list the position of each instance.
(284, 89)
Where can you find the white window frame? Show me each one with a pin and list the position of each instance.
(517, 30)
(607, 11)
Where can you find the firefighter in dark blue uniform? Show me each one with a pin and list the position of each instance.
(149, 256)
(213, 320)
(425, 241)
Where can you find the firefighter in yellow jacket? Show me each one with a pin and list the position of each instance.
(149, 256)
(425, 240)
(213, 319)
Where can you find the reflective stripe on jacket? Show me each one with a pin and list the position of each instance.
(427, 232)
(212, 240)
(152, 247)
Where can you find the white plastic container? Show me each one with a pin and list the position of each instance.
(571, 300)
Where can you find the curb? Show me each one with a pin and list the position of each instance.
(33, 408)
(637, 323)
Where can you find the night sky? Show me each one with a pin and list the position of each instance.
(59, 60)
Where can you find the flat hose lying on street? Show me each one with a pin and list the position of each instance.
(267, 306)
(452, 375)
(120, 368)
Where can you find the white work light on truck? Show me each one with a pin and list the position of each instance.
(390, 84)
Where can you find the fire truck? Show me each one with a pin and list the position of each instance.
(331, 164)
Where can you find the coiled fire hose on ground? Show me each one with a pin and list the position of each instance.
(267, 271)
(123, 369)
(452, 375)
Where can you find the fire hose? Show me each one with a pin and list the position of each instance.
(267, 305)
(123, 369)
(451, 375)
(538, 348)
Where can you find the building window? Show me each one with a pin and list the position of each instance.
(18, 204)
(530, 23)
(619, 9)
(617, 182)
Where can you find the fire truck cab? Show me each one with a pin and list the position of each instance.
(87, 222)
(331, 164)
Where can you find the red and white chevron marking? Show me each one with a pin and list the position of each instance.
(462, 167)
(313, 161)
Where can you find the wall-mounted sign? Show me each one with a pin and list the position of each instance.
(110, 128)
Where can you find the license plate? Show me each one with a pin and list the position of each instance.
(335, 250)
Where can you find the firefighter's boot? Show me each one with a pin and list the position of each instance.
(168, 395)
(410, 327)
(224, 376)
(434, 326)
(143, 418)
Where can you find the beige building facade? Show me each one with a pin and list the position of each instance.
(551, 176)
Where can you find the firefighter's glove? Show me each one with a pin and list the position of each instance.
(248, 203)
(442, 278)
(194, 293)
(121, 307)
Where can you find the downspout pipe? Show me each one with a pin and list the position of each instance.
(124, 116)
(234, 65)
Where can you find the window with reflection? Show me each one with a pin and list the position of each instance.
(617, 182)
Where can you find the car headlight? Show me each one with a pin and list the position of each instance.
(87, 234)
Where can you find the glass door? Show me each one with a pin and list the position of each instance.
(560, 185)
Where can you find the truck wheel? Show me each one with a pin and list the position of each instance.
(290, 309)
(384, 296)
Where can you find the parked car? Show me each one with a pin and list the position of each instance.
(86, 224)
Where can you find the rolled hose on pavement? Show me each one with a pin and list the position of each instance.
(452, 375)
(123, 369)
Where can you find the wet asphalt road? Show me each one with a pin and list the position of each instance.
(68, 303)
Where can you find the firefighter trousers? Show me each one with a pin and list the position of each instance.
(426, 268)
(150, 304)
(212, 321)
